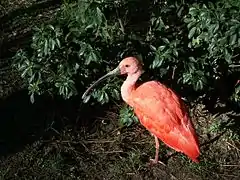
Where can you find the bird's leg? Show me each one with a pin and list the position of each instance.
(155, 161)
(157, 149)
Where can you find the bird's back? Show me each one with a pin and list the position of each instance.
(164, 114)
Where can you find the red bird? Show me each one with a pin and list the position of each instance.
(158, 108)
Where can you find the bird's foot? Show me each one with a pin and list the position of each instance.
(154, 162)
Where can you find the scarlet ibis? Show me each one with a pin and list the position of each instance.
(160, 110)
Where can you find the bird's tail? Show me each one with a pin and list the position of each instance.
(184, 142)
(190, 146)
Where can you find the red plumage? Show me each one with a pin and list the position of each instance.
(164, 114)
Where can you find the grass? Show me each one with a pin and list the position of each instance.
(105, 150)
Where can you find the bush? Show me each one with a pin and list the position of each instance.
(189, 44)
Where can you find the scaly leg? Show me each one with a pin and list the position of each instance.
(155, 161)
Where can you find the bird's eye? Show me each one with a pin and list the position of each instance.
(127, 65)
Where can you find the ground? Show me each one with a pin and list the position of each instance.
(97, 147)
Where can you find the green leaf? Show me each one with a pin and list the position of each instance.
(153, 48)
(106, 97)
(61, 90)
(186, 77)
(24, 72)
(192, 32)
(94, 57)
(99, 16)
(46, 47)
(115, 94)
(187, 20)
(233, 39)
(191, 67)
(157, 62)
(190, 45)
(82, 50)
(175, 52)
(89, 26)
(199, 85)
(191, 24)
(31, 78)
(192, 59)
(193, 11)
(216, 28)
(227, 56)
(91, 57)
(100, 99)
(32, 98)
(51, 27)
(211, 28)
(161, 48)
(179, 13)
(58, 42)
(166, 40)
(53, 43)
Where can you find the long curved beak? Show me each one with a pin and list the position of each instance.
(114, 72)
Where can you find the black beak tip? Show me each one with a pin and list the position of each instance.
(85, 98)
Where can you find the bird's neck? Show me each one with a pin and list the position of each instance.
(129, 86)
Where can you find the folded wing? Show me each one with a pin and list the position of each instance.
(164, 114)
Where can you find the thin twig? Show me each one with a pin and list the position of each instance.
(99, 141)
(230, 165)
(174, 177)
(229, 175)
(233, 146)
(107, 152)
(86, 142)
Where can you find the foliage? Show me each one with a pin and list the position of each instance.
(66, 51)
(192, 45)
(215, 29)
(127, 116)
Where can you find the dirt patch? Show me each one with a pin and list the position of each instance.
(105, 150)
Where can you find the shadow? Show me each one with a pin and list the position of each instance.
(23, 123)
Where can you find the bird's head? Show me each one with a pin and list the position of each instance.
(128, 66)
